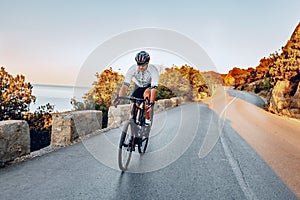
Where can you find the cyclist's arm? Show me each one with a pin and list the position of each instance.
(123, 90)
(154, 83)
(153, 95)
(122, 93)
(127, 81)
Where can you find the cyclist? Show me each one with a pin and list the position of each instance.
(145, 76)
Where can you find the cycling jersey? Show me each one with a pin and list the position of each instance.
(142, 79)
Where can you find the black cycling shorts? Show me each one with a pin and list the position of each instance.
(138, 92)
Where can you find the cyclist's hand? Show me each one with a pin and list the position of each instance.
(116, 101)
(149, 107)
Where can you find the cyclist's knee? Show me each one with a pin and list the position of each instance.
(147, 93)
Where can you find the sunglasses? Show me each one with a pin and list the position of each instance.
(143, 65)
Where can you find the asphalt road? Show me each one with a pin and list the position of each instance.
(173, 168)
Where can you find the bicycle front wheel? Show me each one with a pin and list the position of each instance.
(143, 145)
(125, 146)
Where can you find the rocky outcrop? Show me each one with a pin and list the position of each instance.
(276, 78)
(14, 139)
(237, 77)
(285, 74)
(282, 103)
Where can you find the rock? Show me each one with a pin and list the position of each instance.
(68, 126)
(276, 78)
(117, 116)
(282, 102)
(175, 101)
(14, 139)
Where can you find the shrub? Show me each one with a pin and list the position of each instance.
(40, 125)
(263, 85)
(164, 92)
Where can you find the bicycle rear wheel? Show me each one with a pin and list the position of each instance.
(125, 146)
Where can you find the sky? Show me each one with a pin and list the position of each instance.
(49, 41)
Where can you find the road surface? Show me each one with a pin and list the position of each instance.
(188, 158)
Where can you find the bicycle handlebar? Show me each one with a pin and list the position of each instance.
(131, 98)
(128, 98)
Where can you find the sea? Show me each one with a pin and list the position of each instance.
(58, 95)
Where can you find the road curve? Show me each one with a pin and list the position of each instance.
(231, 169)
(276, 139)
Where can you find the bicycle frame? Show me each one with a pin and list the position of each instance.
(138, 109)
(138, 117)
(138, 112)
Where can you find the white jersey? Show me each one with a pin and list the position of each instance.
(142, 79)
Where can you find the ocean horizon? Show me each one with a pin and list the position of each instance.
(58, 95)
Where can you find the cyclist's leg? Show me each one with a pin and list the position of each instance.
(138, 93)
(147, 94)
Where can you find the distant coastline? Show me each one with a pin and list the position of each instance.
(57, 95)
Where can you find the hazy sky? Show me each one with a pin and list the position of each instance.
(49, 40)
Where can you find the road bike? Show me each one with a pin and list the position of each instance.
(135, 131)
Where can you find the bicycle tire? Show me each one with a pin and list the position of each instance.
(143, 145)
(125, 150)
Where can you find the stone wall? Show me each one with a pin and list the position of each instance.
(14, 139)
(68, 126)
(116, 116)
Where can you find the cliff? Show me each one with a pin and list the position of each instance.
(285, 77)
(275, 78)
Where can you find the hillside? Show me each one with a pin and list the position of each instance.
(285, 77)
(276, 78)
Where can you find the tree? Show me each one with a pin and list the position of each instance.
(175, 81)
(185, 81)
(15, 96)
(106, 87)
(100, 96)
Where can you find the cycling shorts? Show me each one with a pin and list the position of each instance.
(138, 92)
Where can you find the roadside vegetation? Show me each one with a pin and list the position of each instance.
(174, 82)
(15, 99)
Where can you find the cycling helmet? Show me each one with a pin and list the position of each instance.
(142, 58)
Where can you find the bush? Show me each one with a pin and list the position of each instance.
(164, 92)
(40, 125)
(264, 85)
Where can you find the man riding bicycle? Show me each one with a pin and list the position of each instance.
(145, 76)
